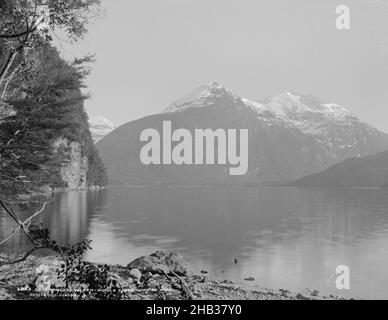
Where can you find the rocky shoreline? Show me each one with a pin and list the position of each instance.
(160, 276)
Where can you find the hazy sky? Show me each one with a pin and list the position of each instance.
(151, 52)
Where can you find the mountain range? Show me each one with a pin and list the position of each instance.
(290, 136)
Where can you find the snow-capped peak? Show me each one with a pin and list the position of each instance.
(215, 85)
(291, 105)
(201, 97)
(212, 89)
(302, 111)
(100, 127)
(100, 120)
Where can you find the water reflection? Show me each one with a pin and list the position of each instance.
(284, 237)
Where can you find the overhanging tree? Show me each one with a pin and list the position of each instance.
(26, 24)
(38, 87)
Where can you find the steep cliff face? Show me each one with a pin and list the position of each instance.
(74, 168)
(45, 142)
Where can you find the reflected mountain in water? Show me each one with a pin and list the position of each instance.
(284, 237)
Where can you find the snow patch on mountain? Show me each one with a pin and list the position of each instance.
(100, 127)
(202, 97)
(307, 113)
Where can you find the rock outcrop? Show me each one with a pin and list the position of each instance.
(74, 169)
(162, 262)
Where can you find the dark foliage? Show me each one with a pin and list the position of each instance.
(91, 281)
(48, 105)
(40, 94)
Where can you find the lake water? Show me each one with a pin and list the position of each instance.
(283, 237)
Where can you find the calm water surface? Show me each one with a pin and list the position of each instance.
(283, 237)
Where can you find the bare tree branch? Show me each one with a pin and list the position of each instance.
(7, 65)
(22, 225)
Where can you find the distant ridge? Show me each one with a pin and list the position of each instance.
(369, 171)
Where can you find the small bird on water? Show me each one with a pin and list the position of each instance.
(235, 261)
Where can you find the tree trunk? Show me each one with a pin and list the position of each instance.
(10, 77)
(7, 66)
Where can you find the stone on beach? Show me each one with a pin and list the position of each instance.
(135, 274)
(250, 279)
(162, 262)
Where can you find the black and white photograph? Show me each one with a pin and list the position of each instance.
(193, 150)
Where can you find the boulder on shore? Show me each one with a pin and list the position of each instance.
(162, 262)
(135, 274)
